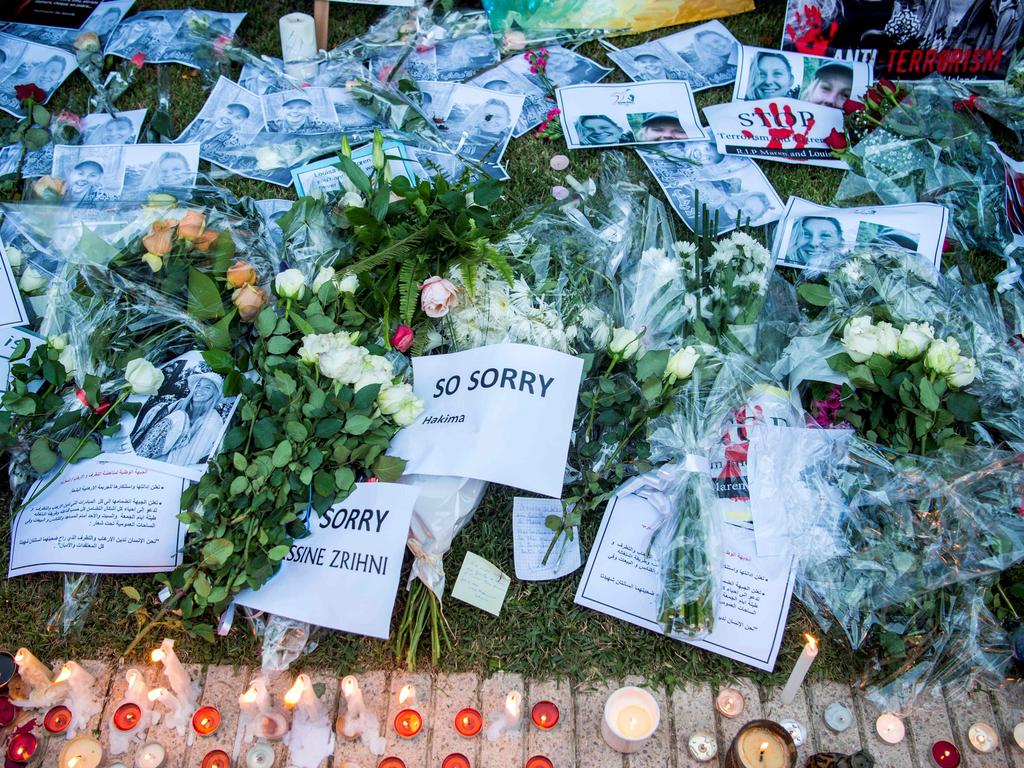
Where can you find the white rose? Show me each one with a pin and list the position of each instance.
(393, 397)
(681, 364)
(348, 284)
(408, 413)
(859, 339)
(267, 159)
(31, 281)
(624, 343)
(57, 342)
(290, 284)
(67, 359)
(376, 370)
(888, 338)
(964, 371)
(914, 340)
(14, 256)
(143, 377)
(312, 346)
(601, 335)
(323, 277)
(343, 363)
(353, 200)
(942, 356)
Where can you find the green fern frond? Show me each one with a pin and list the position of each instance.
(398, 251)
(407, 291)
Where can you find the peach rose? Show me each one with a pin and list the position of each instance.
(205, 240)
(158, 241)
(191, 226)
(438, 296)
(48, 188)
(241, 273)
(250, 300)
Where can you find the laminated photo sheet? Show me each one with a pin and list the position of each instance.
(623, 114)
(23, 62)
(476, 123)
(733, 188)
(165, 37)
(766, 73)
(97, 128)
(705, 56)
(104, 17)
(812, 236)
(125, 171)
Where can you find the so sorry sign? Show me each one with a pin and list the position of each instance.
(501, 413)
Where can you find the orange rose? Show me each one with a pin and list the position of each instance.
(158, 241)
(191, 226)
(250, 300)
(48, 188)
(205, 240)
(241, 273)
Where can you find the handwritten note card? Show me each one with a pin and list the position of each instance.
(532, 538)
(100, 517)
(622, 580)
(481, 584)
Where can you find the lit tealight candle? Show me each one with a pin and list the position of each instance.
(761, 744)
(455, 760)
(468, 722)
(702, 746)
(57, 719)
(216, 758)
(151, 755)
(273, 725)
(81, 752)
(631, 715)
(729, 703)
(838, 717)
(890, 728)
(127, 716)
(539, 761)
(983, 738)
(544, 715)
(945, 754)
(259, 756)
(408, 723)
(21, 747)
(206, 720)
(391, 762)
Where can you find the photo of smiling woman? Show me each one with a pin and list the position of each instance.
(817, 242)
(831, 85)
(771, 77)
(601, 129)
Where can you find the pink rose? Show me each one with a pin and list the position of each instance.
(139, 59)
(438, 296)
(403, 338)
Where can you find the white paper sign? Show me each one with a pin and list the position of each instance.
(12, 311)
(532, 538)
(502, 413)
(100, 517)
(622, 580)
(345, 574)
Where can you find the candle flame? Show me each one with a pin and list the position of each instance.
(157, 655)
(764, 746)
(249, 696)
(155, 694)
(349, 686)
(408, 693)
(65, 674)
(812, 644)
(291, 699)
(74, 761)
(513, 703)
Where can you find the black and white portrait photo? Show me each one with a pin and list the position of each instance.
(91, 174)
(349, 113)
(770, 74)
(477, 123)
(165, 36)
(102, 21)
(97, 128)
(462, 57)
(300, 112)
(182, 425)
(24, 62)
(704, 56)
(228, 121)
(160, 168)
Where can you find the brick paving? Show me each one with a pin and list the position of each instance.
(576, 739)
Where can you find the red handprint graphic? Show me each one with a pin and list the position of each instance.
(808, 33)
(780, 125)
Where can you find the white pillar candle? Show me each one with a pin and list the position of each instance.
(176, 715)
(80, 696)
(1018, 735)
(357, 722)
(796, 678)
(311, 738)
(184, 689)
(35, 675)
(631, 716)
(137, 693)
(298, 43)
(507, 719)
(407, 696)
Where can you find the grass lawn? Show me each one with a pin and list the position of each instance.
(540, 631)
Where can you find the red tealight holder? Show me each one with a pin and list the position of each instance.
(455, 760)
(216, 758)
(127, 716)
(539, 761)
(21, 748)
(391, 762)
(544, 715)
(206, 720)
(57, 719)
(468, 722)
(945, 754)
(8, 712)
(408, 723)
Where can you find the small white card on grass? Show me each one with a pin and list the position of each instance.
(481, 584)
(345, 574)
(501, 413)
(100, 517)
(532, 539)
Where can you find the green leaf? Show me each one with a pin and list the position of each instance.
(239, 485)
(356, 175)
(652, 364)
(860, 377)
(217, 552)
(219, 360)
(388, 469)
(282, 454)
(279, 345)
(357, 424)
(365, 397)
(344, 478)
(964, 407)
(72, 451)
(42, 456)
(218, 335)
(323, 484)
(202, 585)
(815, 294)
(35, 138)
(40, 115)
(296, 430)
(204, 300)
(880, 365)
(929, 399)
(280, 552)
(266, 322)
(132, 593)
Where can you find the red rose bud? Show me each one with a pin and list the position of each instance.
(836, 140)
(887, 85)
(873, 98)
(30, 91)
(139, 59)
(852, 106)
(99, 410)
(403, 338)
